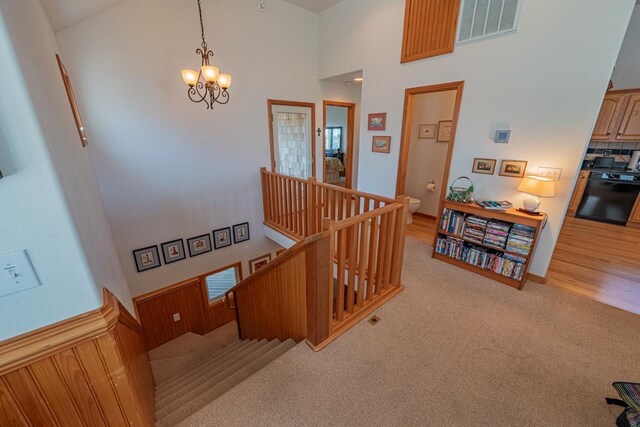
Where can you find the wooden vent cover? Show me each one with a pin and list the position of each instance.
(429, 28)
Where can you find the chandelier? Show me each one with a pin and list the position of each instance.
(213, 88)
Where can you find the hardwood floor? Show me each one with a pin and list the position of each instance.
(593, 259)
(422, 229)
(600, 261)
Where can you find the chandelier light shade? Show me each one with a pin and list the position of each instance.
(207, 84)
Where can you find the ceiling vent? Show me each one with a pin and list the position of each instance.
(487, 18)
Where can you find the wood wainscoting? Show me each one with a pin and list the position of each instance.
(189, 298)
(89, 370)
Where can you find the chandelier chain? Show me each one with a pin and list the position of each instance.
(204, 43)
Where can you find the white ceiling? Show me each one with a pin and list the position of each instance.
(316, 6)
(348, 78)
(65, 13)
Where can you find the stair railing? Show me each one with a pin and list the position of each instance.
(346, 264)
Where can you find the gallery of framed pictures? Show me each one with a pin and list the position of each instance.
(150, 257)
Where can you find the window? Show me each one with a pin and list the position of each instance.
(220, 281)
(485, 18)
(333, 138)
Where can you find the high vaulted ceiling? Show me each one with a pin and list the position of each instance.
(65, 13)
(316, 6)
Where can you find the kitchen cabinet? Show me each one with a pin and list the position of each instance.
(609, 118)
(630, 127)
(578, 192)
(634, 219)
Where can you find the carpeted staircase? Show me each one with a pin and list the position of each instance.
(194, 370)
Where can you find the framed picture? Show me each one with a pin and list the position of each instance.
(147, 258)
(485, 166)
(381, 144)
(173, 251)
(427, 132)
(377, 121)
(222, 238)
(444, 130)
(513, 168)
(257, 263)
(241, 232)
(199, 245)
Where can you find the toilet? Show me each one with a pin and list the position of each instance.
(414, 205)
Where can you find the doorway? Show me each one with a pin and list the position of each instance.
(291, 137)
(428, 136)
(339, 123)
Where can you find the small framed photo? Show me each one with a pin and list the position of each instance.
(513, 168)
(377, 121)
(222, 238)
(485, 166)
(147, 258)
(381, 144)
(241, 232)
(257, 263)
(427, 132)
(173, 251)
(444, 130)
(199, 245)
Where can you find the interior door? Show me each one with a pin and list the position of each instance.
(292, 140)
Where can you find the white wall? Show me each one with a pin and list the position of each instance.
(626, 75)
(545, 82)
(49, 202)
(337, 117)
(427, 157)
(168, 168)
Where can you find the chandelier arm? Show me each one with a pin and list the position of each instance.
(195, 90)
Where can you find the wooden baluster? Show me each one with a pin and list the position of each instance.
(327, 225)
(388, 251)
(372, 279)
(342, 243)
(325, 202)
(341, 207)
(363, 259)
(289, 199)
(281, 198)
(381, 254)
(319, 273)
(337, 198)
(401, 233)
(309, 203)
(278, 199)
(349, 205)
(265, 194)
(352, 244)
(298, 199)
(301, 211)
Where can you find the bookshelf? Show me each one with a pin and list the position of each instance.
(496, 244)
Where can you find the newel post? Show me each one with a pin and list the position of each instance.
(399, 240)
(319, 269)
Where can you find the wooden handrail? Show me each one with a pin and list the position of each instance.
(347, 261)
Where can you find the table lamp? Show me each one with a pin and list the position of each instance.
(536, 186)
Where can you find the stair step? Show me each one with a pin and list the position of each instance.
(205, 374)
(194, 365)
(184, 345)
(208, 394)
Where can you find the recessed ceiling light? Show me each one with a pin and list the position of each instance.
(358, 79)
(348, 83)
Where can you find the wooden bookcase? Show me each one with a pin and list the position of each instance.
(511, 216)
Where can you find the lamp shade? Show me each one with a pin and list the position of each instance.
(190, 77)
(538, 186)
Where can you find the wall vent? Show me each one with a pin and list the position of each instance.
(486, 18)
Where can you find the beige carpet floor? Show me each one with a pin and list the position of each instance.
(453, 349)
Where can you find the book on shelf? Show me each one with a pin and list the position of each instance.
(474, 229)
(501, 205)
(452, 222)
(496, 234)
(521, 239)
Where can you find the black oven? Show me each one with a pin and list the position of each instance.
(609, 197)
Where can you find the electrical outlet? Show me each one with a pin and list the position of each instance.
(553, 173)
(176, 317)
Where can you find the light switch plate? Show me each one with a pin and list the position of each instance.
(176, 317)
(16, 273)
(553, 173)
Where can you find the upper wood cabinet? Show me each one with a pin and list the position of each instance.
(630, 128)
(430, 28)
(608, 118)
(619, 118)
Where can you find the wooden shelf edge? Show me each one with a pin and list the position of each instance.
(487, 273)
